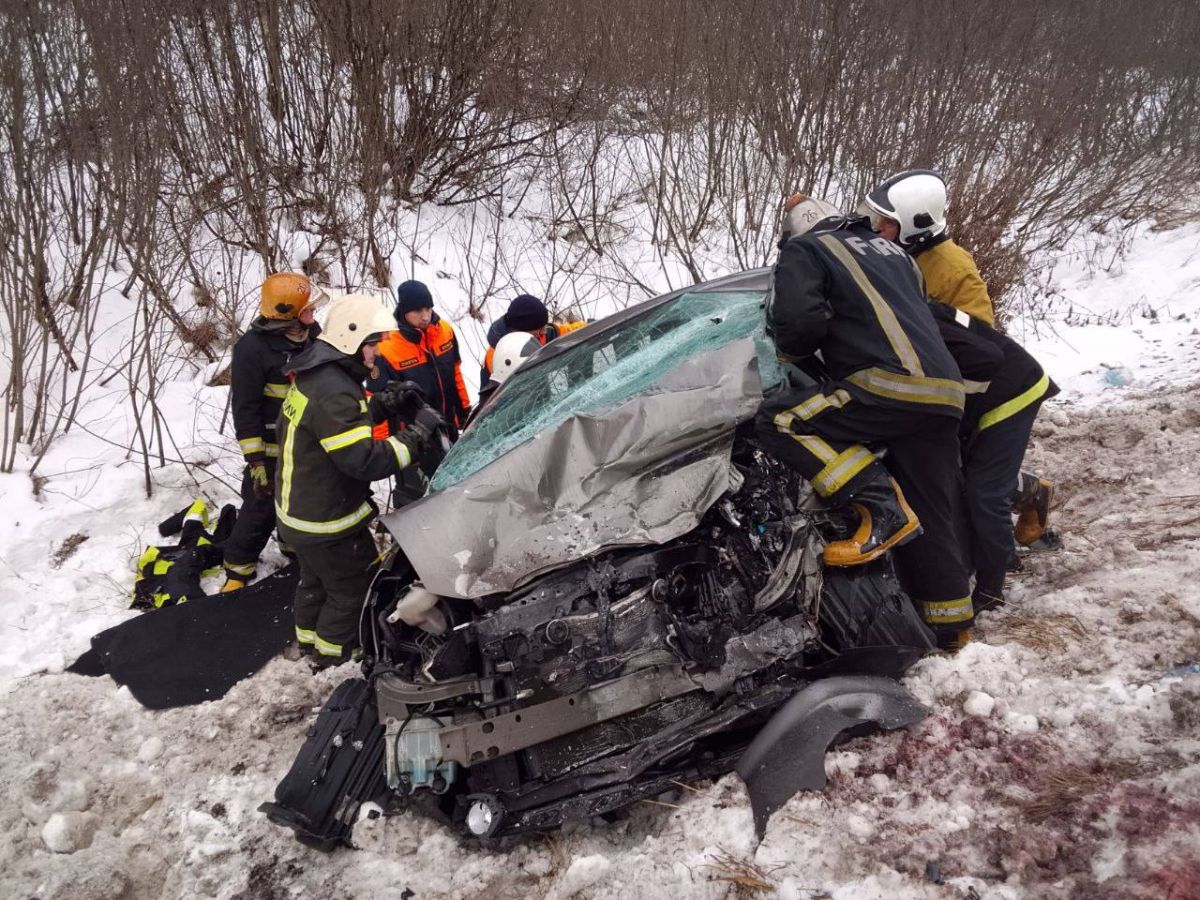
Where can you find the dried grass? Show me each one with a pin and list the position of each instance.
(1046, 633)
(1055, 793)
(747, 877)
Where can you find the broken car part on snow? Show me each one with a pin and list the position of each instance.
(608, 591)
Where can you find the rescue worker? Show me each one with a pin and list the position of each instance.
(509, 353)
(328, 459)
(282, 329)
(840, 289)
(910, 208)
(424, 350)
(997, 422)
(529, 314)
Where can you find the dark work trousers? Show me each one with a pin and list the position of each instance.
(252, 530)
(334, 578)
(827, 433)
(991, 467)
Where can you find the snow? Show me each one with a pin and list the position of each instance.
(1061, 757)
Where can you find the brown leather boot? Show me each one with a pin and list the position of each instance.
(885, 521)
(1034, 508)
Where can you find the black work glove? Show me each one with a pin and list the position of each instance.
(399, 400)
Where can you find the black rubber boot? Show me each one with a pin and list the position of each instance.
(885, 520)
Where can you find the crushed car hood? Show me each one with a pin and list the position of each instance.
(642, 473)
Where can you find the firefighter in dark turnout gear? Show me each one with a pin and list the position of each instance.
(423, 350)
(1002, 402)
(257, 384)
(840, 289)
(327, 461)
(910, 209)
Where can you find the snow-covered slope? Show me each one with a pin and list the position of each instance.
(1062, 758)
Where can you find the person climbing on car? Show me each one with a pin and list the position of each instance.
(282, 329)
(910, 209)
(528, 314)
(840, 289)
(423, 350)
(327, 461)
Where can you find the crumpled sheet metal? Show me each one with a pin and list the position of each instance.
(643, 473)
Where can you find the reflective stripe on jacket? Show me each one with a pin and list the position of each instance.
(951, 277)
(327, 457)
(1012, 381)
(857, 298)
(430, 359)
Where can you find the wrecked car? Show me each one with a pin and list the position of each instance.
(607, 591)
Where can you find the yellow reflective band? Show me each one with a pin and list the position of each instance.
(975, 387)
(304, 636)
(149, 555)
(209, 573)
(346, 438)
(334, 527)
(402, 455)
(816, 446)
(275, 391)
(362, 406)
(327, 648)
(272, 450)
(162, 566)
(947, 612)
(901, 345)
(838, 472)
(247, 569)
(815, 404)
(197, 512)
(1015, 405)
(910, 388)
(294, 405)
(159, 599)
(251, 445)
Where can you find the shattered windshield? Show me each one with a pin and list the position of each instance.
(603, 372)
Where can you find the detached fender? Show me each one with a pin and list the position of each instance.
(788, 755)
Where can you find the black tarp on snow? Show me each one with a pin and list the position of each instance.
(187, 654)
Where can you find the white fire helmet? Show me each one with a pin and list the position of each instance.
(355, 319)
(802, 213)
(512, 350)
(916, 199)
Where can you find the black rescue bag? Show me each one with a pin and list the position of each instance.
(339, 768)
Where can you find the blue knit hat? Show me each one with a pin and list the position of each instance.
(526, 313)
(411, 296)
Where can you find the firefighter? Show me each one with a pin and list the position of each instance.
(283, 328)
(509, 353)
(424, 350)
(327, 461)
(840, 289)
(528, 314)
(1000, 408)
(910, 208)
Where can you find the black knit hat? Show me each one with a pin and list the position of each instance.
(526, 313)
(411, 296)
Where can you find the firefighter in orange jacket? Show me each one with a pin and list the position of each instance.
(424, 350)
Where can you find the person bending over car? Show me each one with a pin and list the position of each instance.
(327, 461)
(840, 289)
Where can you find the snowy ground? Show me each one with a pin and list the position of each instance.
(1062, 757)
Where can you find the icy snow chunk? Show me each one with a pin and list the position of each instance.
(151, 749)
(66, 832)
(979, 704)
(1021, 723)
(859, 826)
(583, 872)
